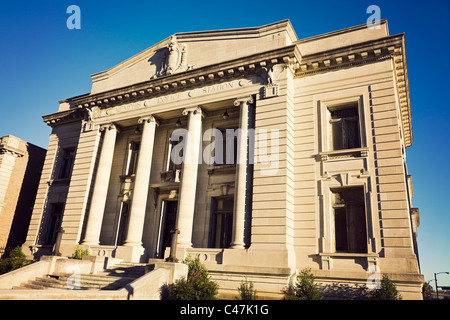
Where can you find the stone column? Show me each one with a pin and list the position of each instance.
(141, 183)
(237, 241)
(98, 201)
(188, 185)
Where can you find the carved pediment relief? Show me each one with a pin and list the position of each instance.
(170, 59)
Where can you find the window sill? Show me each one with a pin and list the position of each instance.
(348, 255)
(60, 182)
(222, 169)
(345, 153)
(171, 175)
(127, 177)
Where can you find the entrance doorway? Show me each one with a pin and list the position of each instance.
(221, 222)
(167, 225)
(123, 224)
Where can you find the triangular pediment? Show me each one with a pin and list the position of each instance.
(192, 50)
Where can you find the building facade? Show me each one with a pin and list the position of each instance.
(260, 152)
(20, 169)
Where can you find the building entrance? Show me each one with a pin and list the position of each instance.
(167, 225)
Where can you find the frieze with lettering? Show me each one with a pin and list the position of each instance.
(210, 89)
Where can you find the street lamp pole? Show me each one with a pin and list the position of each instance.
(435, 281)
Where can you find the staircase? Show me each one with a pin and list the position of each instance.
(110, 279)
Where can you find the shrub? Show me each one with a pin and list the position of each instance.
(246, 291)
(289, 293)
(427, 291)
(80, 253)
(387, 290)
(15, 260)
(197, 286)
(304, 288)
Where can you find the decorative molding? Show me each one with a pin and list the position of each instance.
(343, 154)
(11, 151)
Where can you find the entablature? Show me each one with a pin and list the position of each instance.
(255, 64)
(63, 117)
(262, 65)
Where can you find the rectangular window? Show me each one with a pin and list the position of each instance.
(174, 160)
(56, 212)
(344, 123)
(221, 222)
(132, 159)
(67, 160)
(349, 220)
(228, 147)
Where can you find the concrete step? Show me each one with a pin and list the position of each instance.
(46, 283)
(94, 281)
(110, 279)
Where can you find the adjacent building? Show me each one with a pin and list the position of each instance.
(260, 152)
(20, 169)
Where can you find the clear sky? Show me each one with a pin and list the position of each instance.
(42, 62)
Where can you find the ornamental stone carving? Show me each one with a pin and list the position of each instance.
(173, 59)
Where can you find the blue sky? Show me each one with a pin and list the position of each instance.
(42, 62)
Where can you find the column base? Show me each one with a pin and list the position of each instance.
(130, 253)
(237, 246)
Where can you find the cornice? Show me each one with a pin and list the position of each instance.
(63, 117)
(5, 149)
(227, 70)
(391, 47)
(349, 56)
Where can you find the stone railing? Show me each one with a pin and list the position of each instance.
(146, 287)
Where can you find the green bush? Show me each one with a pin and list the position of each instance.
(387, 290)
(289, 293)
(80, 253)
(15, 260)
(246, 291)
(197, 286)
(304, 288)
(427, 290)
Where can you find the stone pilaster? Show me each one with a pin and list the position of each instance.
(188, 185)
(141, 187)
(97, 207)
(237, 241)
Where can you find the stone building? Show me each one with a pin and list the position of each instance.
(258, 151)
(20, 169)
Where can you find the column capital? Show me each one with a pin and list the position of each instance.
(109, 126)
(194, 110)
(246, 99)
(148, 119)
